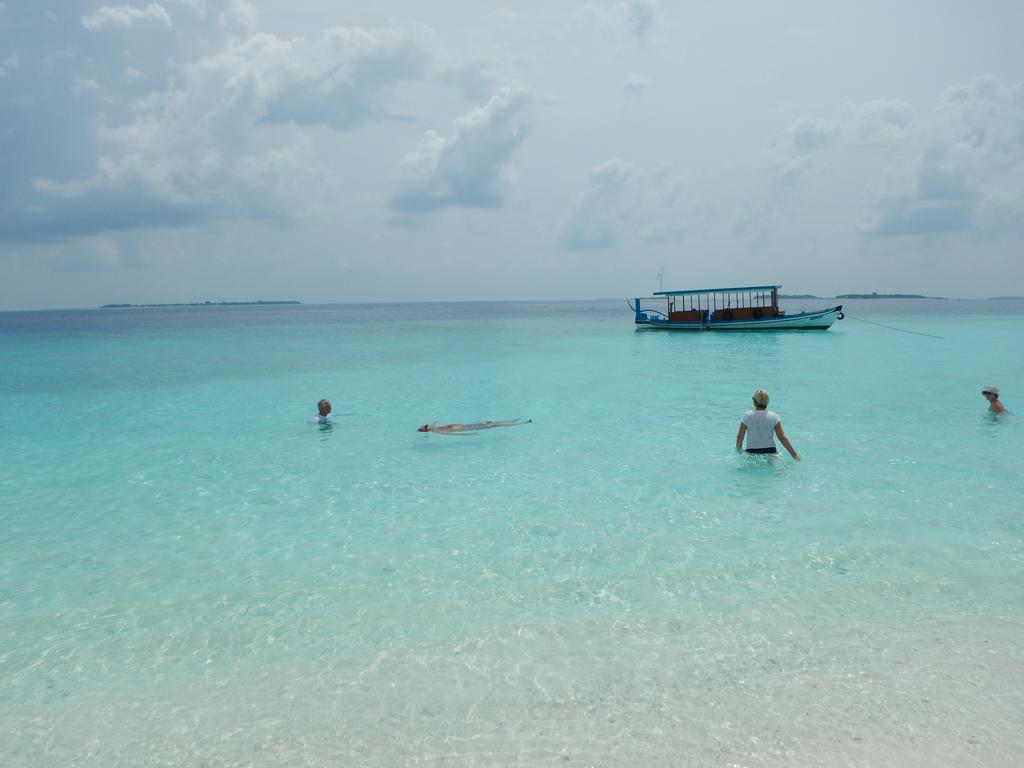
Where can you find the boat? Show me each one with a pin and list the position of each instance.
(749, 308)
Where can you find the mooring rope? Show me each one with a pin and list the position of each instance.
(894, 328)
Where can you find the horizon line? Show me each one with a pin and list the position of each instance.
(294, 302)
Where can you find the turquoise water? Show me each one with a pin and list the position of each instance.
(192, 575)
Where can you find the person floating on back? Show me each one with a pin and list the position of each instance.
(758, 425)
(991, 394)
(455, 429)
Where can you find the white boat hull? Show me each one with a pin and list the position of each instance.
(803, 321)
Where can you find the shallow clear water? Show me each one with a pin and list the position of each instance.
(190, 574)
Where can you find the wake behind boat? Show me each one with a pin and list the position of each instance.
(750, 308)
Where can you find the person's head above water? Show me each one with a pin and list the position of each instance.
(991, 393)
(424, 428)
(761, 399)
(324, 407)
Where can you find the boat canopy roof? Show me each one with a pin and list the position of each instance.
(718, 290)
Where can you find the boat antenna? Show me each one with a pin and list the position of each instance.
(661, 274)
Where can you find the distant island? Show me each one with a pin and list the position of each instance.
(199, 304)
(885, 296)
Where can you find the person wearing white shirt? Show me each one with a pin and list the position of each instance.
(324, 413)
(759, 426)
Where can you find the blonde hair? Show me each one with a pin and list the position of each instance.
(761, 399)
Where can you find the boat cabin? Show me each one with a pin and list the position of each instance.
(722, 304)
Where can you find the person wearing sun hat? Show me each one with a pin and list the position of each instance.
(991, 393)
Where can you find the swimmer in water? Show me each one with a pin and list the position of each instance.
(324, 415)
(455, 429)
(991, 393)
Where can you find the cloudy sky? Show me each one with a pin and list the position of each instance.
(322, 150)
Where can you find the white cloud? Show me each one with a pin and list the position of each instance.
(911, 215)
(972, 159)
(634, 83)
(277, 183)
(809, 134)
(759, 223)
(943, 199)
(202, 149)
(986, 115)
(631, 20)
(336, 81)
(880, 121)
(808, 138)
(621, 202)
(476, 79)
(602, 210)
(239, 14)
(973, 133)
(944, 173)
(198, 7)
(126, 16)
(505, 17)
(84, 85)
(9, 64)
(640, 17)
(470, 167)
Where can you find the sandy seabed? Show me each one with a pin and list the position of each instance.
(946, 692)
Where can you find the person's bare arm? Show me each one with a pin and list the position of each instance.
(785, 441)
(739, 436)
